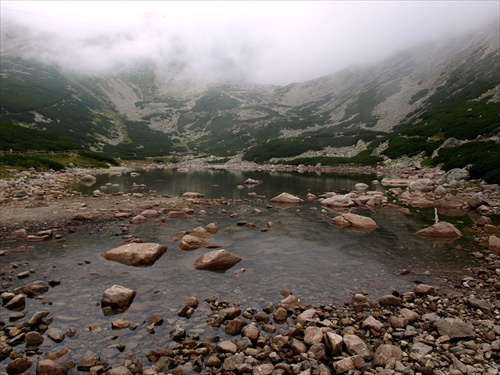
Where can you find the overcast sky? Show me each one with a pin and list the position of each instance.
(257, 41)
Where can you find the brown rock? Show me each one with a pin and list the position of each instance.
(88, 361)
(136, 254)
(33, 338)
(190, 194)
(454, 328)
(386, 354)
(50, 367)
(372, 323)
(389, 300)
(17, 303)
(120, 370)
(18, 366)
(177, 215)
(494, 244)
(423, 289)
(235, 326)
(190, 242)
(350, 220)
(216, 260)
(286, 198)
(150, 213)
(356, 346)
(117, 297)
(442, 229)
(138, 219)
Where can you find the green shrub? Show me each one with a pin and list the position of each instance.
(481, 158)
(99, 157)
(40, 163)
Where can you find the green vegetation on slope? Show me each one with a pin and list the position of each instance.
(481, 158)
(37, 95)
(24, 139)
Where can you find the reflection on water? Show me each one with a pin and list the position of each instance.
(302, 252)
(216, 183)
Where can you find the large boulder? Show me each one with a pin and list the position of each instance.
(118, 297)
(349, 220)
(286, 198)
(216, 260)
(136, 254)
(442, 229)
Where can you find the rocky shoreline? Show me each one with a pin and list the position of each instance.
(427, 330)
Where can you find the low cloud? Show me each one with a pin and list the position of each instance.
(258, 42)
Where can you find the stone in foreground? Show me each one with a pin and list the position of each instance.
(118, 297)
(136, 254)
(216, 260)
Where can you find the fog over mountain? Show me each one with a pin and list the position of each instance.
(241, 42)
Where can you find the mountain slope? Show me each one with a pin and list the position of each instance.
(408, 105)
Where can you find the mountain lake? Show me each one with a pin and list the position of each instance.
(301, 251)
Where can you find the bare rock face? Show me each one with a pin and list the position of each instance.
(216, 260)
(286, 198)
(136, 254)
(349, 220)
(118, 297)
(442, 229)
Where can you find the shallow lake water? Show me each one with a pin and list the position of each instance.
(302, 252)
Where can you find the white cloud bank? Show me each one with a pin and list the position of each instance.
(256, 41)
